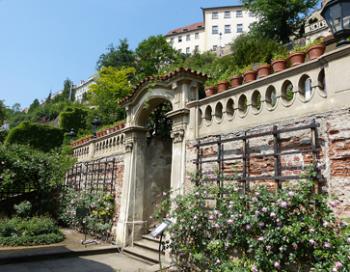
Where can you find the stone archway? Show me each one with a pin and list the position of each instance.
(178, 89)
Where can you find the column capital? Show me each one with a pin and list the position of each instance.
(177, 135)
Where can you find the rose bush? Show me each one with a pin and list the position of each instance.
(289, 230)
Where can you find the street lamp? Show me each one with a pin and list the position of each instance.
(71, 134)
(337, 15)
(95, 124)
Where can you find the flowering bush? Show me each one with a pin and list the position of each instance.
(289, 230)
(99, 207)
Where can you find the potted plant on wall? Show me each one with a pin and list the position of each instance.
(279, 61)
(263, 70)
(297, 56)
(249, 74)
(222, 83)
(236, 78)
(210, 87)
(315, 49)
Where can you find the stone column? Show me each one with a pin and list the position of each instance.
(130, 223)
(178, 170)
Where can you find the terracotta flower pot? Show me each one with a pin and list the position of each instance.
(278, 65)
(222, 86)
(249, 76)
(315, 51)
(236, 81)
(296, 58)
(263, 70)
(210, 91)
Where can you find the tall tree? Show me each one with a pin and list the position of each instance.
(280, 19)
(120, 56)
(111, 86)
(153, 54)
(34, 106)
(2, 112)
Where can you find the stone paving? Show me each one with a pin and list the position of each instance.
(113, 262)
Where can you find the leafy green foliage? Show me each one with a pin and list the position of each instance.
(117, 57)
(23, 209)
(111, 86)
(251, 48)
(22, 166)
(289, 230)
(29, 232)
(280, 19)
(153, 54)
(73, 117)
(38, 136)
(99, 207)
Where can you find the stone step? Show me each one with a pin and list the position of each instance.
(150, 238)
(142, 254)
(148, 244)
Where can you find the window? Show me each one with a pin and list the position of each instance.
(196, 36)
(239, 28)
(227, 14)
(172, 41)
(215, 15)
(188, 50)
(188, 37)
(179, 50)
(215, 29)
(227, 28)
(215, 47)
(251, 14)
(196, 49)
(239, 14)
(179, 39)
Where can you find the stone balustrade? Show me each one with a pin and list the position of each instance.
(101, 147)
(313, 87)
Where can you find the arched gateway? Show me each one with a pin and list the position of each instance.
(141, 182)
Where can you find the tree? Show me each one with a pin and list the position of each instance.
(111, 86)
(120, 56)
(2, 112)
(153, 54)
(280, 19)
(34, 106)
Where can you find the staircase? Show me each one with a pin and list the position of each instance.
(146, 250)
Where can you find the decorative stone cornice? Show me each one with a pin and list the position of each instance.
(177, 135)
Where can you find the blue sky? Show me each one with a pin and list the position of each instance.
(43, 42)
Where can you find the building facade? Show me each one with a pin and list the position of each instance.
(82, 88)
(220, 26)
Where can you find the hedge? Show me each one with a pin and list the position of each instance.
(28, 232)
(73, 118)
(38, 136)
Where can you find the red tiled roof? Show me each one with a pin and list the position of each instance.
(186, 29)
(166, 77)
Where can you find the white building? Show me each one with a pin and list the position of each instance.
(82, 88)
(220, 26)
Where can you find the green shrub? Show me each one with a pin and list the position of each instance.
(290, 230)
(73, 118)
(31, 170)
(23, 209)
(42, 137)
(26, 232)
(99, 207)
(250, 48)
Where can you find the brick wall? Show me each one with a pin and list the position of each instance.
(333, 156)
